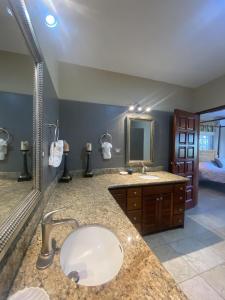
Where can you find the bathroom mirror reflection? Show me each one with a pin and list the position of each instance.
(139, 140)
(16, 114)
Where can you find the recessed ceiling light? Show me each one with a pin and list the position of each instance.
(50, 21)
(148, 109)
(139, 108)
(131, 108)
(9, 11)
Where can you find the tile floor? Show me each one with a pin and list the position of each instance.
(195, 254)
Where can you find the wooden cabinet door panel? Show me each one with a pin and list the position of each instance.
(150, 213)
(165, 211)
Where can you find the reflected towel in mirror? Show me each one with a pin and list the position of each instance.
(56, 153)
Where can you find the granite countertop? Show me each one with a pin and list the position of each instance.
(141, 277)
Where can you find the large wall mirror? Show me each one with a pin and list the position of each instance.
(20, 120)
(140, 135)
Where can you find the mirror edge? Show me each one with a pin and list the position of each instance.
(12, 225)
(133, 163)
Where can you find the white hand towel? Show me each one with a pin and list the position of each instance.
(56, 153)
(3, 149)
(106, 150)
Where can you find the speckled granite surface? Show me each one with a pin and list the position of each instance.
(141, 276)
(12, 193)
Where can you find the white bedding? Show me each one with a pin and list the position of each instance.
(209, 171)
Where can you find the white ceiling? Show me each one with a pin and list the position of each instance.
(11, 38)
(176, 41)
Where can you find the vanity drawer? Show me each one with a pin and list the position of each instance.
(159, 189)
(179, 198)
(134, 193)
(179, 189)
(134, 216)
(134, 203)
(178, 220)
(178, 209)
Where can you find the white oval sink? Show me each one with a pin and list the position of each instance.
(148, 177)
(94, 253)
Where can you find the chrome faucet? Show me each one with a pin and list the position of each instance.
(144, 168)
(48, 248)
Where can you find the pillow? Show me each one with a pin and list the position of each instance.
(220, 162)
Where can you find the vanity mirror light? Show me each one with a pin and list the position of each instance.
(21, 76)
(139, 139)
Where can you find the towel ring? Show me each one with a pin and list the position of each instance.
(5, 132)
(105, 136)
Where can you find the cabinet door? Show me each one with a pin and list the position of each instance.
(165, 211)
(150, 213)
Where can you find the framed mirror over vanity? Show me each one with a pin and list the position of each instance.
(139, 139)
(21, 81)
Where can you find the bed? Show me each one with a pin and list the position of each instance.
(208, 170)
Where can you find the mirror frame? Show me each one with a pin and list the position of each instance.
(148, 118)
(18, 216)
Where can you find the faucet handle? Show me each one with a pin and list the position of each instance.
(47, 218)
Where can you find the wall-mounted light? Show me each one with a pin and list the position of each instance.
(131, 108)
(50, 21)
(148, 109)
(9, 11)
(139, 108)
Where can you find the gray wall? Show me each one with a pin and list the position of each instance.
(86, 122)
(16, 117)
(51, 114)
(210, 95)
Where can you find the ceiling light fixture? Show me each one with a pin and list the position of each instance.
(148, 109)
(131, 108)
(139, 108)
(50, 21)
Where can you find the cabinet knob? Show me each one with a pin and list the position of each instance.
(161, 198)
(135, 204)
(180, 220)
(157, 199)
(181, 198)
(135, 193)
(134, 218)
(181, 209)
(181, 188)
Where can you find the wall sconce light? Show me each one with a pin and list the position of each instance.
(139, 108)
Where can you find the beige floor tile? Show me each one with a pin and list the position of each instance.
(198, 289)
(154, 240)
(165, 253)
(216, 279)
(180, 269)
(203, 260)
(219, 249)
(174, 235)
(187, 246)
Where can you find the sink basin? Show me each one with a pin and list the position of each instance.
(148, 177)
(93, 253)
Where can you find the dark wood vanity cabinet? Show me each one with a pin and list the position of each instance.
(153, 208)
